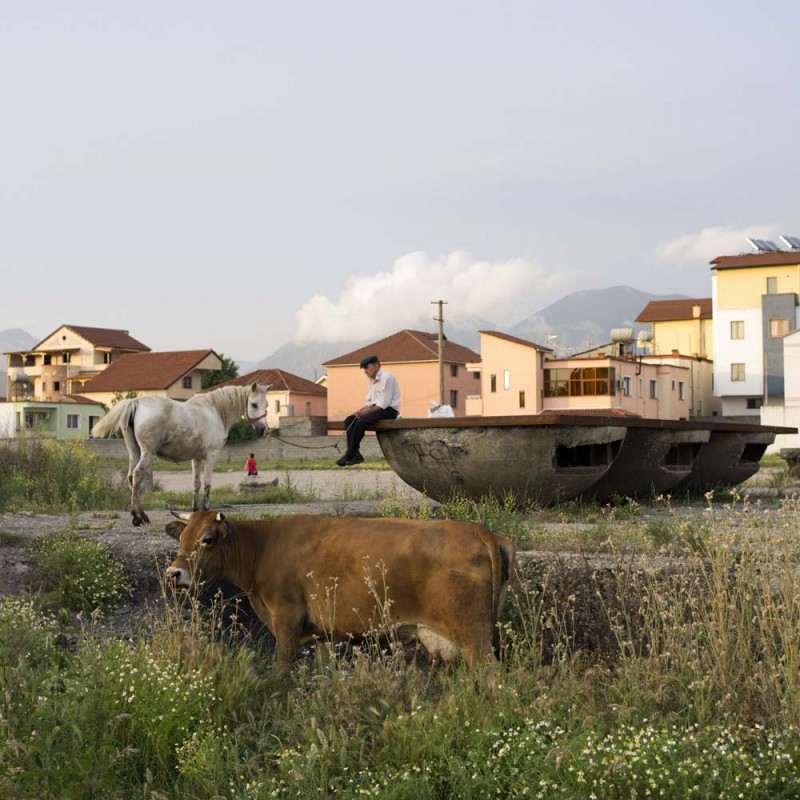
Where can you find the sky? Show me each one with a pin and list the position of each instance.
(241, 175)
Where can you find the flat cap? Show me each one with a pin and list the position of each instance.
(369, 360)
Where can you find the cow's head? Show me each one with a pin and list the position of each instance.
(256, 410)
(201, 535)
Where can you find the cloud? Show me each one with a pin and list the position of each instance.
(712, 242)
(378, 305)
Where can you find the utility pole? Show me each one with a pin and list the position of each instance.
(440, 320)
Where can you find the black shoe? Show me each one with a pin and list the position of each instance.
(356, 459)
(342, 462)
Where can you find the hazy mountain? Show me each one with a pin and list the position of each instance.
(586, 318)
(11, 340)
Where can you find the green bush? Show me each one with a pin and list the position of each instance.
(54, 475)
(79, 574)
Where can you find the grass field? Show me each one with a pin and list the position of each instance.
(650, 650)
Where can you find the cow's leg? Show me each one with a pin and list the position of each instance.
(141, 471)
(196, 483)
(286, 627)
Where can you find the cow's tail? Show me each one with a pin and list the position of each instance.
(120, 416)
(501, 555)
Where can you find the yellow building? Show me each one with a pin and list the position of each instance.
(755, 298)
(684, 326)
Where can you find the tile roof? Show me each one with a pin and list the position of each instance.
(140, 371)
(279, 379)
(757, 260)
(104, 337)
(407, 346)
(509, 338)
(670, 310)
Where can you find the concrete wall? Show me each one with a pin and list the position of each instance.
(297, 448)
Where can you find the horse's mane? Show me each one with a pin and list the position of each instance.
(229, 401)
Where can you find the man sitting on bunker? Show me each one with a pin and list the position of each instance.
(382, 402)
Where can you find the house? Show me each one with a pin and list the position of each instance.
(65, 360)
(413, 358)
(519, 377)
(510, 371)
(755, 297)
(71, 417)
(683, 325)
(176, 375)
(292, 400)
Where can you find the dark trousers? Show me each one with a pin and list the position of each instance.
(356, 426)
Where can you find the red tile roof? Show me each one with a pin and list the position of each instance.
(140, 371)
(509, 338)
(279, 379)
(757, 260)
(407, 346)
(671, 310)
(104, 337)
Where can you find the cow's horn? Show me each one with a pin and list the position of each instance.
(184, 515)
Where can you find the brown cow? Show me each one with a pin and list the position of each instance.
(442, 583)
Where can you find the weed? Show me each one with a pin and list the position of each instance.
(79, 574)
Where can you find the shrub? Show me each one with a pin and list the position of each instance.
(80, 574)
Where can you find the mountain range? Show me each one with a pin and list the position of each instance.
(572, 324)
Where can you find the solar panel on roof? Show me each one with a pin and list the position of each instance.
(764, 245)
(792, 242)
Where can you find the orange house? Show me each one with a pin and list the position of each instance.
(413, 358)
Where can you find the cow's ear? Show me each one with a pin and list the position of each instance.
(217, 532)
(175, 528)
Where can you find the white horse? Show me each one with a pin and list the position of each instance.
(178, 431)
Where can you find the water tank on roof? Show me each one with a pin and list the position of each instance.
(622, 335)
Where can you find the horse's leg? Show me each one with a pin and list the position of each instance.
(141, 471)
(196, 477)
(211, 459)
(134, 453)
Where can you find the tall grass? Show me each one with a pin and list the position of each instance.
(674, 676)
(43, 474)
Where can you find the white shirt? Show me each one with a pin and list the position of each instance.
(384, 391)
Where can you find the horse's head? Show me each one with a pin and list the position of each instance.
(256, 409)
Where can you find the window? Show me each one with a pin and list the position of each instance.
(506, 379)
(187, 382)
(522, 398)
(44, 387)
(72, 421)
(476, 376)
(493, 383)
(581, 382)
(653, 390)
(106, 358)
(778, 328)
(48, 360)
(772, 286)
(65, 358)
(626, 386)
(641, 387)
(754, 402)
(454, 370)
(56, 386)
(681, 390)
(737, 372)
(277, 406)
(737, 329)
(454, 399)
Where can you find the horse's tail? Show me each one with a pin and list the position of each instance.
(120, 416)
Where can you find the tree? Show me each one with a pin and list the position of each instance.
(213, 377)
